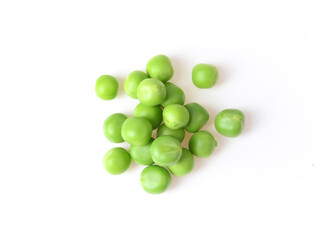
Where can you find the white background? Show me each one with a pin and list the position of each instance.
(269, 183)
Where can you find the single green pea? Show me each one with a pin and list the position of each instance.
(175, 116)
(116, 161)
(141, 154)
(204, 75)
(230, 122)
(160, 67)
(202, 144)
(106, 87)
(184, 165)
(174, 95)
(166, 150)
(136, 131)
(132, 82)
(198, 117)
(151, 92)
(163, 130)
(155, 179)
(153, 114)
(112, 127)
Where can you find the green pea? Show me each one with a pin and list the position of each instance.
(132, 82)
(116, 161)
(155, 179)
(106, 87)
(230, 122)
(198, 117)
(141, 154)
(184, 165)
(151, 92)
(153, 114)
(166, 150)
(202, 144)
(160, 67)
(163, 130)
(174, 95)
(136, 131)
(112, 127)
(204, 75)
(175, 116)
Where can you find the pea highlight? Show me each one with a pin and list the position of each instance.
(116, 161)
(132, 82)
(163, 130)
(174, 95)
(175, 116)
(230, 122)
(166, 150)
(136, 131)
(141, 154)
(153, 114)
(184, 165)
(160, 67)
(106, 87)
(155, 179)
(198, 117)
(112, 127)
(204, 75)
(202, 144)
(151, 92)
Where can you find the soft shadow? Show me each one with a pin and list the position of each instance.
(120, 79)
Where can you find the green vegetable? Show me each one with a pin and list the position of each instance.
(184, 165)
(230, 122)
(165, 150)
(112, 127)
(136, 131)
(174, 95)
(163, 130)
(153, 114)
(132, 82)
(160, 67)
(198, 117)
(202, 144)
(106, 87)
(151, 92)
(116, 161)
(175, 116)
(204, 75)
(141, 154)
(155, 179)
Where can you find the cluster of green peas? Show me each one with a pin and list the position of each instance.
(162, 101)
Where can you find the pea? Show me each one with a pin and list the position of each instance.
(153, 114)
(141, 154)
(136, 131)
(116, 161)
(202, 144)
(184, 165)
(106, 87)
(155, 179)
(165, 150)
(132, 82)
(230, 122)
(163, 130)
(175, 116)
(151, 92)
(174, 95)
(198, 117)
(204, 75)
(160, 67)
(112, 127)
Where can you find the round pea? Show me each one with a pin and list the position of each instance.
(204, 75)
(160, 67)
(174, 95)
(136, 131)
(153, 114)
(202, 144)
(198, 117)
(141, 154)
(112, 127)
(175, 116)
(116, 161)
(132, 82)
(155, 179)
(166, 150)
(184, 165)
(151, 92)
(163, 130)
(230, 122)
(106, 87)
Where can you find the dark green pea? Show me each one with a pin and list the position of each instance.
(202, 144)
(230, 122)
(184, 165)
(165, 150)
(155, 179)
(198, 117)
(116, 161)
(132, 82)
(160, 67)
(153, 114)
(136, 131)
(163, 130)
(106, 87)
(174, 95)
(141, 154)
(175, 116)
(112, 127)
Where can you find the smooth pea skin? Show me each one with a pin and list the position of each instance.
(175, 116)
(204, 75)
(155, 179)
(163, 130)
(132, 82)
(112, 127)
(198, 117)
(202, 144)
(174, 95)
(166, 150)
(151, 92)
(136, 131)
(116, 161)
(153, 114)
(230, 122)
(184, 165)
(106, 87)
(141, 154)
(160, 67)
